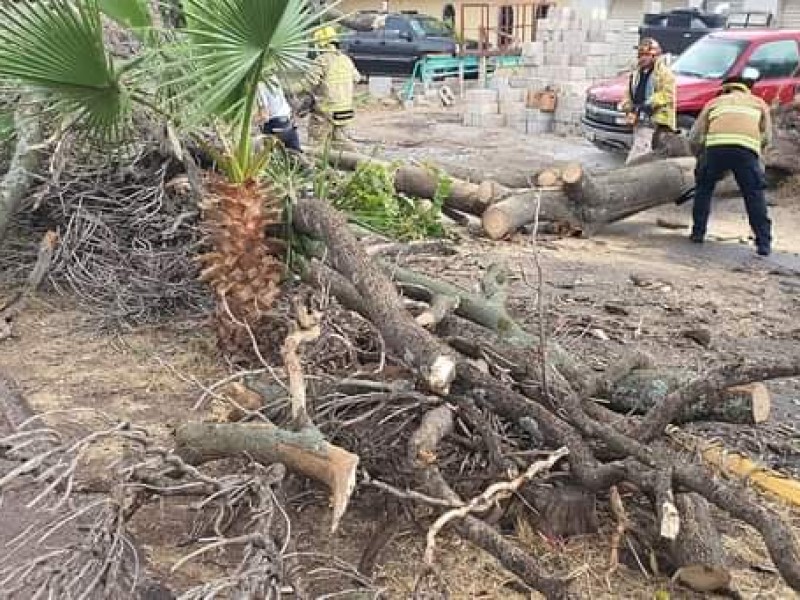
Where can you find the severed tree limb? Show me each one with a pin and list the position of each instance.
(435, 425)
(306, 330)
(486, 500)
(707, 385)
(422, 182)
(19, 177)
(623, 524)
(697, 551)
(642, 389)
(433, 360)
(667, 515)
(440, 307)
(305, 452)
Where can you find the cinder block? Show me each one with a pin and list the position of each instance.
(512, 94)
(480, 96)
(512, 108)
(576, 73)
(598, 49)
(484, 108)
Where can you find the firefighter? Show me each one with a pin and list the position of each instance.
(335, 79)
(649, 101)
(729, 135)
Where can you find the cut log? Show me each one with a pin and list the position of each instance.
(305, 452)
(431, 358)
(697, 552)
(422, 182)
(507, 216)
(548, 178)
(572, 173)
(642, 389)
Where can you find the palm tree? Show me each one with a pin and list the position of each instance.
(207, 71)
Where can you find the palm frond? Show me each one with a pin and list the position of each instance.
(57, 49)
(237, 42)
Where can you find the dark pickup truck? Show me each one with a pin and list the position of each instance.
(395, 48)
(678, 29)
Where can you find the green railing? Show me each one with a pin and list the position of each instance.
(432, 67)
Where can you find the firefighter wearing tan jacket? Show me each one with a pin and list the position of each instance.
(335, 79)
(649, 99)
(730, 135)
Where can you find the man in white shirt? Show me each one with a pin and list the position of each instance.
(276, 115)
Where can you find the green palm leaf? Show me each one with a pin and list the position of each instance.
(235, 42)
(57, 49)
(232, 45)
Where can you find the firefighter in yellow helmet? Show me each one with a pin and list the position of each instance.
(334, 80)
(649, 101)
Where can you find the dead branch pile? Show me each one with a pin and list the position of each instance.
(128, 238)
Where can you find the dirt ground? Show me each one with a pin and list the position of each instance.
(634, 285)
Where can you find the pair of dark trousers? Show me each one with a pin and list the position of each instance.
(746, 168)
(285, 131)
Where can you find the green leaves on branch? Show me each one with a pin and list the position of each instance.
(369, 199)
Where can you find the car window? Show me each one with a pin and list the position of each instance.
(678, 20)
(776, 59)
(396, 26)
(432, 27)
(709, 58)
(698, 23)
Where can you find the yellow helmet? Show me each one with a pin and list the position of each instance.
(325, 36)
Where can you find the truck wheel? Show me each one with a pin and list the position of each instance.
(685, 123)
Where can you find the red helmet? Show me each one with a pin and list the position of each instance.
(648, 46)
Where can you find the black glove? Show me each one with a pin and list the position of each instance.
(646, 110)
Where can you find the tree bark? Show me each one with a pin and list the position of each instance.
(305, 452)
(435, 425)
(411, 342)
(19, 178)
(642, 389)
(697, 552)
(420, 182)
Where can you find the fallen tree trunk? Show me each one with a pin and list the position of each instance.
(20, 176)
(431, 358)
(642, 389)
(305, 452)
(422, 182)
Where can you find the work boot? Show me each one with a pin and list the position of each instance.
(763, 250)
(697, 238)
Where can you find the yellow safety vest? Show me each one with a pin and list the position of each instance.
(737, 118)
(338, 83)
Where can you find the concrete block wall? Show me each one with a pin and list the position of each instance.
(573, 51)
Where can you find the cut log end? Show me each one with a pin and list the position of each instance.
(572, 173)
(548, 178)
(496, 223)
(756, 396)
(442, 374)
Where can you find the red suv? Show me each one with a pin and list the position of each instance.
(699, 72)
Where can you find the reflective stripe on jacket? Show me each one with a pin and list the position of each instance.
(737, 118)
(661, 94)
(339, 76)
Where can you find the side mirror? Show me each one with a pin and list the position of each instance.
(751, 73)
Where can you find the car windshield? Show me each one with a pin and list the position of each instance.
(431, 27)
(709, 58)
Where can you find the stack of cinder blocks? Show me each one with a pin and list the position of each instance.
(573, 50)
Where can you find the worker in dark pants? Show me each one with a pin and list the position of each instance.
(730, 135)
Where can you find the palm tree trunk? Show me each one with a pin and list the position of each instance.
(243, 267)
